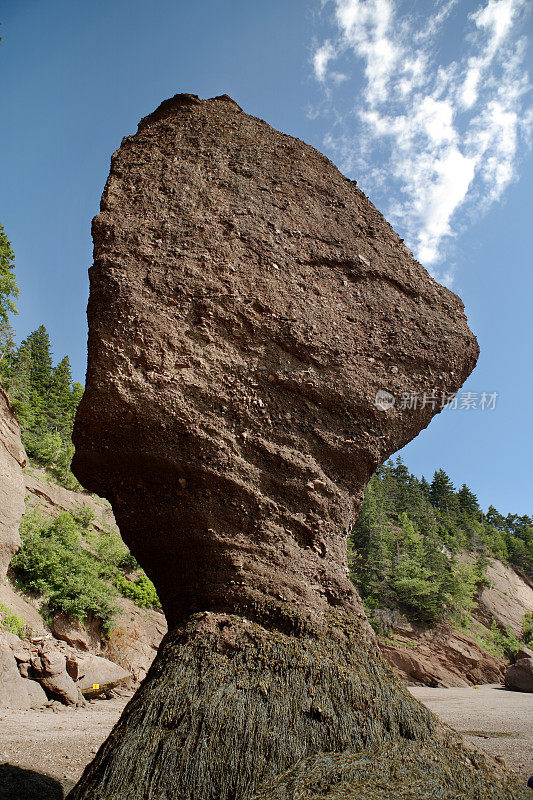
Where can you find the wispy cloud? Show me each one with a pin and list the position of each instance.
(442, 134)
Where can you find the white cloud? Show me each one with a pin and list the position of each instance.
(439, 137)
(321, 59)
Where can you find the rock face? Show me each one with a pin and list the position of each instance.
(519, 676)
(506, 598)
(12, 460)
(15, 691)
(247, 305)
(441, 656)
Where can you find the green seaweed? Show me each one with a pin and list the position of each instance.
(222, 713)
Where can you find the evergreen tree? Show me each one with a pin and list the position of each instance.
(468, 501)
(8, 286)
(442, 492)
(41, 360)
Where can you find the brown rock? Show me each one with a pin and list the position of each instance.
(506, 598)
(12, 460)
(441, 656)
(524, 652)
(75, 634)
(247, 305)
(50, 670)
(519, 676)
(98, 675)
(218, 310)
(13, 692)
(135, 637)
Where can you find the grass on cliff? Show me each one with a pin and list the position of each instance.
(78, 570)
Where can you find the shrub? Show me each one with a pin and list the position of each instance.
(528, 629)
(141, 590)
(53, 564)
(10, 622)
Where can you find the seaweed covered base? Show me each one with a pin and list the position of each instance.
(443, 769)
(230, 709)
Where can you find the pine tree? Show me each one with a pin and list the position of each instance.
(441, 491)
(468, 501)
(41, 360)
(8, 286)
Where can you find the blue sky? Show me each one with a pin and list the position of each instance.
(425, 103)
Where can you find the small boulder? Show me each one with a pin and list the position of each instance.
(50, 669)
(15, 691)
(524, 652)
(519, 676)
(71, 631)
(98, 675)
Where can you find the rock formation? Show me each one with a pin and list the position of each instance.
(519, 676)
(248, 305)
(12, 460)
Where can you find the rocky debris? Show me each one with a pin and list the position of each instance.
(15, 692)
(49, 667)
(506, 599)
(50, 499)
(67, 675)
(12, 461)
(440, 656)
(519, 676)
(248, 305)
(135, 637)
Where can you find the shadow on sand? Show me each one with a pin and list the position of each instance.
(26, 784)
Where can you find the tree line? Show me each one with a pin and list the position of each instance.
(408, 544)
(45, 399)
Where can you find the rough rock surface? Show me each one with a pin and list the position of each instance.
(440, 656)
(247, 305)
(12, 460)
(519, 675)
(15, 692)
(135, 637)
(97, 675)
(49, 667)
(50, 499)
(506, 598)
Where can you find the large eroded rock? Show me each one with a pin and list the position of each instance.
(12, 461)
(247, 304)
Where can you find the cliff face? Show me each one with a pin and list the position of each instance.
(247, 303)
(12, 489)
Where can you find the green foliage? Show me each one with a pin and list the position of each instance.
(45, 400)
(83, 516)
(403, 550)
(10, 622)
(528, 629)
(141, 590)
(52, 563)
(76, 569)
(500, 642)
(8, 286)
